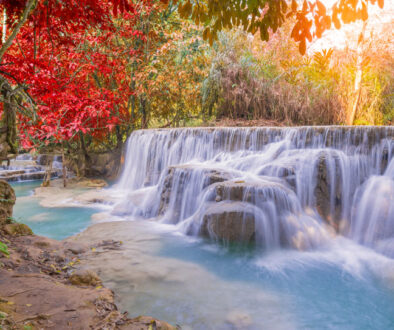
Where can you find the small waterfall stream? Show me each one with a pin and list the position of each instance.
(273, 187)
(25, 168)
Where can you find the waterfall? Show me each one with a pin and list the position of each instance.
(275, 187)
(25, 168)
(372, 220)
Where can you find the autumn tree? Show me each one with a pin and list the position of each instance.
(312, 18)
(171, 80)
(50, 82)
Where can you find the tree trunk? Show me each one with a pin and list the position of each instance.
(144, 119)
(358, 78)
(8, 133)
(64, 170)
(83, 147)
(28, 9)
(48, 174)
(4, 35)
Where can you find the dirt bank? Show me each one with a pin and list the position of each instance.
(42, 287)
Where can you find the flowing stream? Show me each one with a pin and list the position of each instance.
(254, 228)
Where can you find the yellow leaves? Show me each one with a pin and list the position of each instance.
(210, 35)
(55, 269)
(206, 33)
(185, 10)
(381, 4)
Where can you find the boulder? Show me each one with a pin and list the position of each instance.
(17, 229)
(323, 188)
(183, 175)
(285, 171)
(229, 222)
(75, 248)
(255, 192)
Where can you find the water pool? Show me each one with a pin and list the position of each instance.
(55, 223)
(199, 285)
(202, 286)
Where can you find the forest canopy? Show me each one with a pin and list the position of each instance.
(82, 75)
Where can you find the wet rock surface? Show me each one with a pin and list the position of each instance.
(43, 286)
(235, 207)
(105, 164)
(178, 177)
(229, 222)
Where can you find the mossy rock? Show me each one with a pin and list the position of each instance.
(7, 201)
(17, 229)
(85, 278)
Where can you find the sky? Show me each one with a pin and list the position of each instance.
(347, 36)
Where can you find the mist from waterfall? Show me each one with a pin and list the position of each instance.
(275, 187)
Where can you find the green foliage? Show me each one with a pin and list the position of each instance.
(168, 80)
(251, 79)
(4, 249)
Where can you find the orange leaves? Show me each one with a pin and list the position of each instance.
(343, 12)
(335, 18)
(351, 10)
(321, 8)
(364, 12)
(302, 31)
(302, 46)
(312, 19)
(293, 5)
(207, 35)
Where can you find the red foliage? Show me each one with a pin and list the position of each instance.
(59, 55)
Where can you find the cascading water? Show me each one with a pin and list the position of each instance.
(277, 187)
(25, 168)
(372, 220)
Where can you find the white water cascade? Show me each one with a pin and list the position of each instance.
(275, 187)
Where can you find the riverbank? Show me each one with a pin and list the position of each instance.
(43, 286)
(42, 282)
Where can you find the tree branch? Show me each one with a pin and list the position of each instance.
(29, 7)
